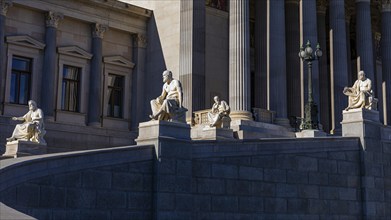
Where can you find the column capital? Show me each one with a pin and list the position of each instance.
(99, 30)
(348, 13)
(52, 19)
(140, 40)
(386, 6)
(5, 4)
(321, 6)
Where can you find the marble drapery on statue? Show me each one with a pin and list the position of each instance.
(361, 94)
(32, 129)
(168, 106)
(219, 111)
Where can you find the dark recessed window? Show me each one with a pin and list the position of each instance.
(70, 88)
(20, 80)
(116, 93)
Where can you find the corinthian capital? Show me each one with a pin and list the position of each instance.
(140, 40)
(5, 4)
(52, 19)
(386, 5)
(321, 6)
(99, 30)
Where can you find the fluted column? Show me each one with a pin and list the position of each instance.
(3, 13)
(386, 52)
(338, 25)
(138, 80)
(276, 60)
(324, 77)
(260, 75)
(49, 65)
(192, 55)
(310, 32)
(95, 90)
(292, 61)
(348, 15)
(364, 41)
(239, 60)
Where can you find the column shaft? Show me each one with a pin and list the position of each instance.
(364, 41)
(386, 54)
(292, 28)
(192, 55)
(310, 32)
(277, 58)
(95, 90)
(338, 25)
(260, 75)
(49, 73)
(324, 77)
(239, 60)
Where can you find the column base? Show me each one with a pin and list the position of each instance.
(241, 115)
(245, 129)
(24, 148)
(311, 134)
(95, 124)
(211, 133)
(283, 122)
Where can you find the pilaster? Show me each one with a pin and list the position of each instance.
(239, 60)
(95, 90)
(138, 80)
(192, 55)
(5, 4)
(49, 66)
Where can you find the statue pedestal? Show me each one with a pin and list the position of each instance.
(211, 133)
(310, 134)
(362, 123)
(24, 148)
(150, 132)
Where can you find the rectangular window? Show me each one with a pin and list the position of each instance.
(70, 88)
(115, 91)
(20, 80)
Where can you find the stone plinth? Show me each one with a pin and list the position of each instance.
(310, 134)
(362, 123)
(24, 148)
(211, 133)
(244, 129)
(149, 132)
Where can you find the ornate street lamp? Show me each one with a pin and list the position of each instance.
(310, 121)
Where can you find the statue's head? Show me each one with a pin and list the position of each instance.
(361, 75)
(216, 99)
(32, 105)
(167, 76)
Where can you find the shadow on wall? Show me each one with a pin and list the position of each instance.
(155, 65)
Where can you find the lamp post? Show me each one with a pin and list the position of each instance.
(310, 121)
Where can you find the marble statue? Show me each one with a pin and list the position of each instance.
(168, 106)
(360, 94)
(32, 129)
(219, 111)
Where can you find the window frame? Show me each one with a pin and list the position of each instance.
(78, 81)
(19, 73)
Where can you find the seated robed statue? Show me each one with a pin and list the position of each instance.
(32, 129)
(361, 94)
(168, 106)
(219, 112)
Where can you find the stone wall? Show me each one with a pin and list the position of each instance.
(323, 178)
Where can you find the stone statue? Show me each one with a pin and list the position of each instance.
(361, 94)
(168, 106)
(32, 129)
(219, 111)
